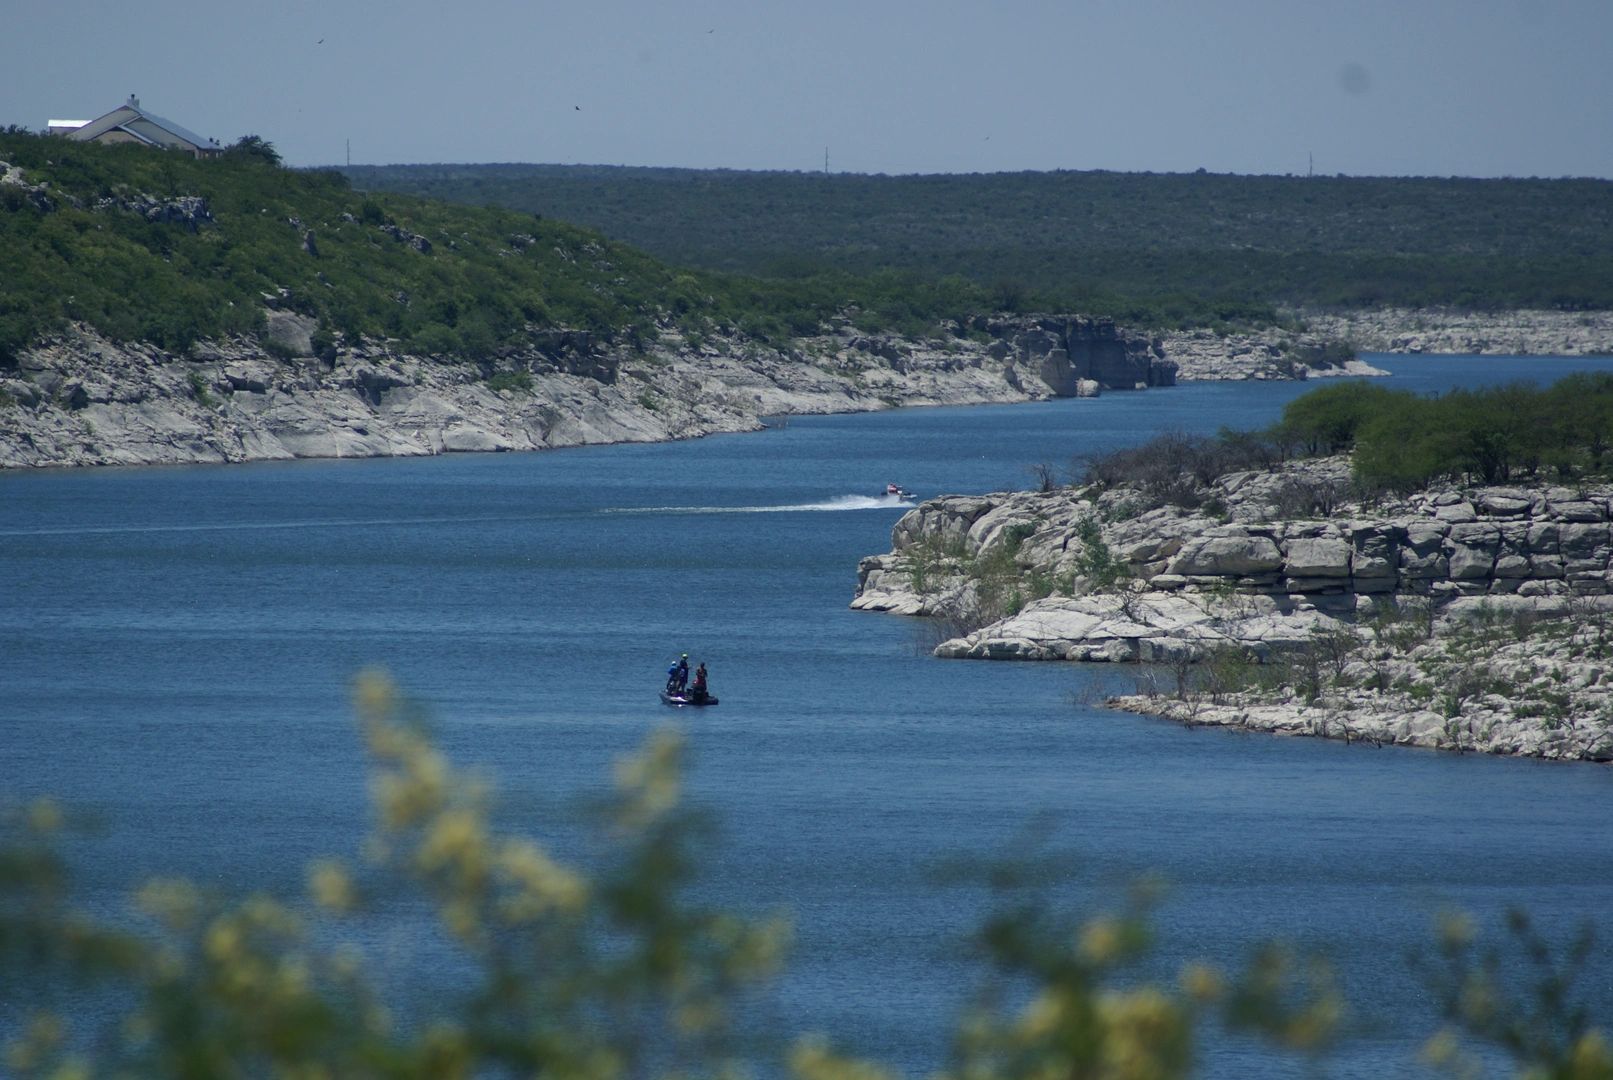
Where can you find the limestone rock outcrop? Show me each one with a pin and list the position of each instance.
(1306, 346)
(1085, 578)
(82, 400)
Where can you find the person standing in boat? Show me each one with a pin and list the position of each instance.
(698, 691)
(672, 678)
(680, 674)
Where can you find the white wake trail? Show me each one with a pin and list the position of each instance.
(839, 502)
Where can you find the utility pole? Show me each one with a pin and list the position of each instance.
(826, 161)
(349, 153)
(1310, 169)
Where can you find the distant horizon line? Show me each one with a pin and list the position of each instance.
(978, 172)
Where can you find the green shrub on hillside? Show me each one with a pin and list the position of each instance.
(510, 380)
(450, 280)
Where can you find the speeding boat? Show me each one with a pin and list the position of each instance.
(897, 491)
(680, 698)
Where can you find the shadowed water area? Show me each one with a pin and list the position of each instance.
(179, 643)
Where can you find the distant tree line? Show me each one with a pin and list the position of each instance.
(1144, 247)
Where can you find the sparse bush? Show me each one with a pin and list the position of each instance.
(1230, 670)
(1402, 623)
(510, 380)
(1176, 468)
(1096, 562)
(1046, 480)
(278, 349)
(994, 573)
(929, 559)
(1308, 497)
(199, 388)
(1338, 647)
(323, 343)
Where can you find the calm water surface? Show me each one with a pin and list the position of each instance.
(178, 645)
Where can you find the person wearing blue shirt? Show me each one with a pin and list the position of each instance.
(677, 676)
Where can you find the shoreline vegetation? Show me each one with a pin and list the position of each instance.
(1376, 567)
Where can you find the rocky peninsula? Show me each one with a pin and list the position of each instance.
(1459, 618)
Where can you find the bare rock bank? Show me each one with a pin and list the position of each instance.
(1476, 618)
(82, 400)
(1308, 345)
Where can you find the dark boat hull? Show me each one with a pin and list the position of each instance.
(681, 700)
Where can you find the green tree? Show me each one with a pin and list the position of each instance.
(254, 147)
(1326, 421)
(1402, 447)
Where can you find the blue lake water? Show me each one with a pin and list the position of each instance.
(178, 646)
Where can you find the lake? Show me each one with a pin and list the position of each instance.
(179, 644)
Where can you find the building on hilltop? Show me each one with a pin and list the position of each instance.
(129, 123)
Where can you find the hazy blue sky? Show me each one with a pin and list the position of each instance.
(1412, 87)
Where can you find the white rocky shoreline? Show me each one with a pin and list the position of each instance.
(1465, 619)
(1271, 353)
(79, 399)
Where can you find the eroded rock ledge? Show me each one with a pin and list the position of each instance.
(1477, 618)
(1288, 353)
(82, 400)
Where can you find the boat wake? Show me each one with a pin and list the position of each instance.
(839, 502)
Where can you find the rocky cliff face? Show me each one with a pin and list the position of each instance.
(1531, 567)
(81, 400)
(1069, 353)
(1493, 541)
(1307, 345)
